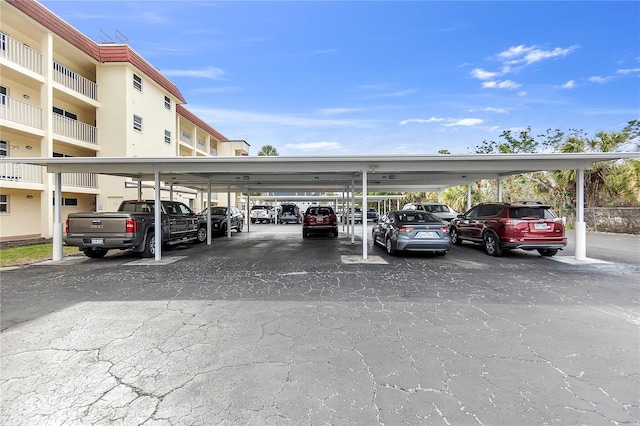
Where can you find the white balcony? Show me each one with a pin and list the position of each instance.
(74, 81)
(82, 180)
(21, 54)
(75, 129)
(20, 112)
(23, 173)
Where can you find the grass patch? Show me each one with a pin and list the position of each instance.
(17, 256)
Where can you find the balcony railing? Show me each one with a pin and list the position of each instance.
(83, 180)
(21, 54)
(20, 112)
(25, 173)
(74, 129)
(74, 81)
(200, 145)
(186, 139)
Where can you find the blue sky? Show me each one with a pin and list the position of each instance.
(384, 77)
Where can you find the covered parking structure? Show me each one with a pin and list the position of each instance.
(346, 174)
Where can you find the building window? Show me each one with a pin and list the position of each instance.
(3, 95)
(4, 149)
(67, 202)
(137, 123)
(4, 204)
(186, 136)
(65, 113)
(167, 137)
(137, 83)
(3, 42)
(167, 103)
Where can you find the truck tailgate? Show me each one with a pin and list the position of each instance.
(96, 224)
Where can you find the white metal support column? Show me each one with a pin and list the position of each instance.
(209, 215)
(344, 209)
(581, 226)
(57, 218)
(228, 211)
(247, 217)
(364, 214)
(158, 219)
(352, 210)
(468, 196)
(499, 190)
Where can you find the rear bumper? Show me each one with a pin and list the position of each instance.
(107, 242)
(534, 245)
(423, 245)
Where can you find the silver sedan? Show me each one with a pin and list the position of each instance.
(410, 230)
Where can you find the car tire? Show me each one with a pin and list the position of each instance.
(305, 233)
(388, 244)
(149, 245)
(373, 237)
(253, 221)
(201, 237)
(334, 234)
(455, 237)
(240, 226)
(547, 252)
(491, 244)
(96, 253)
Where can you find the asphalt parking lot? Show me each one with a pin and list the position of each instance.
(268, 328)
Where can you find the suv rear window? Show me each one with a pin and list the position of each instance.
(319, 210)
(531, 212)
(259, 208)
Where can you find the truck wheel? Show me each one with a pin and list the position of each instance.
(149, 245)
(202, 234)
(96, 253)
(253, 221)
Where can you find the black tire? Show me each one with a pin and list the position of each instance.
(388, 245)
(202, 235)
(96, 253)
(547, 252)
(253, 221)
(149, 245)
(305, 233)
(334, 234)
(240, 226)
(223, 229)
(491, 244)
(373, 237)
(455, 237)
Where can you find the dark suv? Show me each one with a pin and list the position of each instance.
(289, 213)
(219, 219)
(319, 219)
(505, 226)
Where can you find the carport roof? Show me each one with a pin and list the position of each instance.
(324, 173)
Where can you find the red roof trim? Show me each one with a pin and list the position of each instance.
(198, 122)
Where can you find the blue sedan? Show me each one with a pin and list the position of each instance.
(410, 230)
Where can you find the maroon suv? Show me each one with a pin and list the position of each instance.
(505, 226)
(319, 219)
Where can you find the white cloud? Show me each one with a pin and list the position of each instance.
(334, 111)
(482, 74)
(531, 54)
(498, 110)
(467, 122)
(212, 73)
(263, 119)
(629, 71)
(569, 84)
(504, 84)
(421, 120)
(314, 146)
(598, 79)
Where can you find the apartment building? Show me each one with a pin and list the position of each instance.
(61, 94)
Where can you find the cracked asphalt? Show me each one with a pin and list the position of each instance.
(266, 328)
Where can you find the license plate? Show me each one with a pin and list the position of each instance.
(540, 226)
(97, 241)
(427, 234)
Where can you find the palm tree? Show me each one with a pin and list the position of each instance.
(268, 151)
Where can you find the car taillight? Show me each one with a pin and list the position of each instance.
(406, 229)
(444, 229)
(131, 226)
(66, 226)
